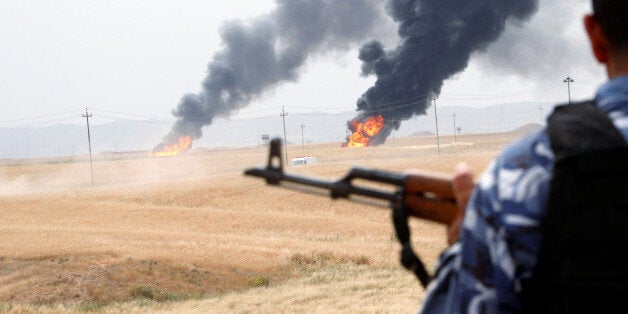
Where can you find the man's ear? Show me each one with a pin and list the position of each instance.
(598, 41)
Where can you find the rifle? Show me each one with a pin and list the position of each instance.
(422, 195)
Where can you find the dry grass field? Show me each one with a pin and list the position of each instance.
(191, 233)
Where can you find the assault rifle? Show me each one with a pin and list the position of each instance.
(422, 195)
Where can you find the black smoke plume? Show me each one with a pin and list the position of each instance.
(268, 50)
(437, 39)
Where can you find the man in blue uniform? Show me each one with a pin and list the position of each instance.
(496, 243)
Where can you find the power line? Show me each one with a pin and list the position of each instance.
(259, 110)
(369, 111)
(38, 117)
(447, 96)
(130, 114)
(372, 109)
(491, 96)
(323, 114)
(134, 120)
(586, 84)
(35, 124)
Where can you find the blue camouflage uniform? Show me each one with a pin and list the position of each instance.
(501, 234)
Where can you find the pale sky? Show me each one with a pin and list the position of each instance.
(137, 58)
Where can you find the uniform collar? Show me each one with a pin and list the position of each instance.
(613, 92)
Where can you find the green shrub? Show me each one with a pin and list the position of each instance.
(90, 306)
(142, 291)
(259, 281)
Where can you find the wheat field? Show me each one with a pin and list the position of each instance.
(191, 233)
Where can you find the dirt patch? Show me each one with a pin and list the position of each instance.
(326, 258)
(109, 278)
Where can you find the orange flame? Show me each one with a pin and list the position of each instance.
(364, 131)
(173, 149)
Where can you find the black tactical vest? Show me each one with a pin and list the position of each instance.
(582, 265)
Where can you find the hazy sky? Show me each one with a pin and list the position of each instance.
(136, 58)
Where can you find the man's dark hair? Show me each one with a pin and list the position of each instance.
(613, 17)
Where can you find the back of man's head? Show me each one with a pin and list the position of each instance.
(613, 18)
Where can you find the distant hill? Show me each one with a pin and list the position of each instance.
(420, 133)
(527, 128)
(128, 135)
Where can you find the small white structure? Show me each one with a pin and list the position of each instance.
(265, 139)
(304, 160)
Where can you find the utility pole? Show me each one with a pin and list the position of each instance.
(568, 80)
(283, 114)
(502, 126)
(88, 115)
(541, 112)
(436, 119)
(302, 141)
(454, 115)
(393, 120)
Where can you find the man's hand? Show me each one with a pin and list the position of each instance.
(462, 184)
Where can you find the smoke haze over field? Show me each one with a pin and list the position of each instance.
(437, 39)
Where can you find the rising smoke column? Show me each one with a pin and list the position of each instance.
(437, 40)
(268, 50)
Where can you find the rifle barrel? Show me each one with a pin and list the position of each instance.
(342, 188)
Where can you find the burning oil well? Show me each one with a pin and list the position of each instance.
(437, 38)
